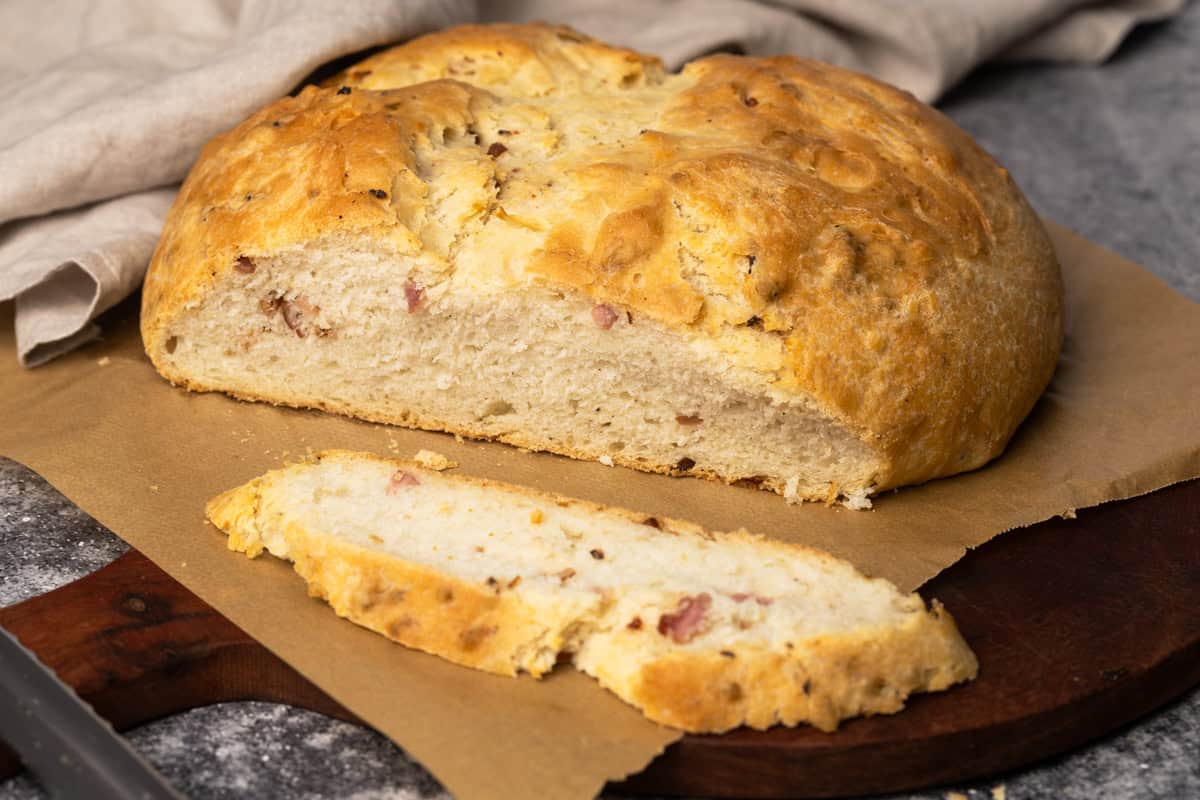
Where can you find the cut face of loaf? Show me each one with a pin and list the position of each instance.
(701, 631)
(338, 328)
(763, 270)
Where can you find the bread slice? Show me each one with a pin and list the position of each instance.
(702, 631)
(762, 270)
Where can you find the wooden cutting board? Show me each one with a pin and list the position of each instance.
(1080, 626)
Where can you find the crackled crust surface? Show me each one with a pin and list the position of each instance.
(836, 237)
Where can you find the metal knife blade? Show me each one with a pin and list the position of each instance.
(67, 745)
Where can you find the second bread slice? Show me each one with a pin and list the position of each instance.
(702, 631)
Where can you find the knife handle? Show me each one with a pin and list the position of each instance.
(137, 645)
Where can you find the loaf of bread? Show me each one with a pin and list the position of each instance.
(771, 271)
(701, 631)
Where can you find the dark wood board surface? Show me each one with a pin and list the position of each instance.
(1080, 626)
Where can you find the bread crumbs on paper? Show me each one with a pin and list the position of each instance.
(103, 362)
(433, 460)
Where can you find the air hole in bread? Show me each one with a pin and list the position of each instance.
(497, 408)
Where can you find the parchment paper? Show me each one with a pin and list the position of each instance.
(1121, 418)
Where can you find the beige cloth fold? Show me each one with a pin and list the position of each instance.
(105, 103)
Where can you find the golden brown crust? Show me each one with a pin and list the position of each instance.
(851, 675)
(537, 59)
(846, 242)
